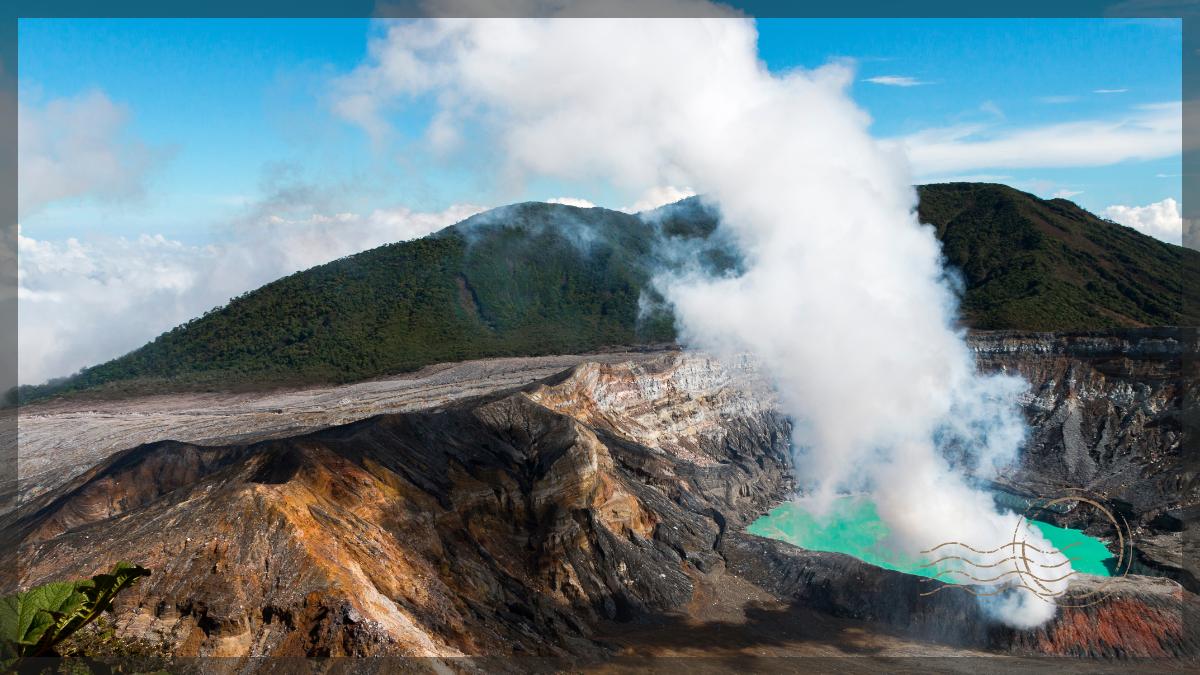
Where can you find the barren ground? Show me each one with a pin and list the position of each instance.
(58, 440)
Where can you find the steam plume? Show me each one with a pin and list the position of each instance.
(843, 301)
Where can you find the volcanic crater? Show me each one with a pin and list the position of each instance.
(577, 507)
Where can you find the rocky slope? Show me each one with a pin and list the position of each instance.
(1107, 419)
(1106, 413)
(519, 517)
(494, 525)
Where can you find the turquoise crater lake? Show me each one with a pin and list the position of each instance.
(852, 526)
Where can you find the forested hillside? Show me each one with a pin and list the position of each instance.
(539, 278)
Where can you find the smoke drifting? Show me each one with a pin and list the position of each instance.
(843, 299)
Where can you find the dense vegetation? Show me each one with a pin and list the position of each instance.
(1033, 264)
(538, 278)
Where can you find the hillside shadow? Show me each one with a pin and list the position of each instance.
(766, 629)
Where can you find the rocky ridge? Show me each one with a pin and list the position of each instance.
(493, 525)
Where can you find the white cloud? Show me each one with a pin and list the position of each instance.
(658, 196)
(896, 81)
(572, 201)
(1057, 100)
(1109, 91)
(83, 302)
(1160, 220)
(650, 199)
(78, 147)
(992, 109)
(1148, 132)
(1066, 194)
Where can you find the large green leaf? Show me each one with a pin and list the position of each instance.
(25, 617)
(99, 592)
(35, 620)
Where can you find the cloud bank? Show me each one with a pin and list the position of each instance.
(658, 196)
(1161, 220)
(572, 201)
(82, 303)
(844, 301)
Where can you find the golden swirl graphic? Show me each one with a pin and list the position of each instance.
(995, 550)
(998, 576)
(1023, 566)
(996, 564)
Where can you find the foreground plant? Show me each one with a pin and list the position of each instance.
(34, 622)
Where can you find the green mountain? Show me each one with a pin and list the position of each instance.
(1036, 264)
(538, 278)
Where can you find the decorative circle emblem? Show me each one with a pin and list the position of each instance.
(1017, 569)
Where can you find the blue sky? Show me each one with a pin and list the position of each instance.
(169, 165)
(1008, 74)
(228, 106)
(225, 99)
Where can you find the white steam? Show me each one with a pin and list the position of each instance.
(843, 301)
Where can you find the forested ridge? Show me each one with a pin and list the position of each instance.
(538, 278)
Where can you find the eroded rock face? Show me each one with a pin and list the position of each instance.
(1106, 414)
(682, 406)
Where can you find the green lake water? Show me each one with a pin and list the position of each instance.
(852, 526)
